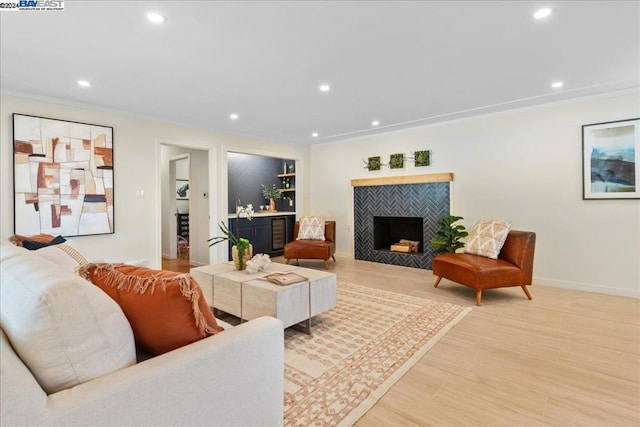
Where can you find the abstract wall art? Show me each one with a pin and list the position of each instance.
(63, 177)
(610, 159)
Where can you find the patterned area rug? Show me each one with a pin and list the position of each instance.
(358, 350)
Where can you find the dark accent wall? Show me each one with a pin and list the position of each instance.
(428, 201)
(246, 174)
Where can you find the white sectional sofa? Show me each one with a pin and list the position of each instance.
(233, 378)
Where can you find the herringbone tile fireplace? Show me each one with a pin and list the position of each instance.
(429, 201)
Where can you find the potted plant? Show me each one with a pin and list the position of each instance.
(271, 194)
(241, 249)
(448, 236)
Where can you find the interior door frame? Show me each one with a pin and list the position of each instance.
(172, 205)
(212, 203)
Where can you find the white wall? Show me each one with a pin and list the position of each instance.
(136, 167)
(522, 165)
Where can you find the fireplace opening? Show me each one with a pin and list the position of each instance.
(389, 230)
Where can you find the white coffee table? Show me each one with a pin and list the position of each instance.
(248, 296)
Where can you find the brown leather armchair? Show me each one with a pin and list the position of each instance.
(312, 249)
(514, 266)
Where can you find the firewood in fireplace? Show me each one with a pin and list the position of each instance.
(405, 245)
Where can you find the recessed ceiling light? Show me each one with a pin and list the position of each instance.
(542, 13)
(156, 18)
(324, 87)
(557, 85)
(83, 83)
(233, 116)
(375, 123)
(315, 134)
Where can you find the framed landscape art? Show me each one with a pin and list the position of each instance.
(610, 159)
(62, 177)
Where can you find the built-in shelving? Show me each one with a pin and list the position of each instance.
(287, 186)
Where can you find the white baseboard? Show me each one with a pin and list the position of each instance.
(587, 287)
(576, 286)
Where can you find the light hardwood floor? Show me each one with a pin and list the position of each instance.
(564, 358)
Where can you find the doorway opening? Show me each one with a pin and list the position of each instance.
(185, 218)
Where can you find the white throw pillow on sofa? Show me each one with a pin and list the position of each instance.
(65, 330)
(9, 250)
(63, 255)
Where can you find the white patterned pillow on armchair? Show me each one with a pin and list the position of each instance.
(311, 228)
(487, 237)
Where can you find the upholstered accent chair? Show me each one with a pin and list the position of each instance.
(312, 249)
(514, 266)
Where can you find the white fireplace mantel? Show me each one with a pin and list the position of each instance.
(405, 179)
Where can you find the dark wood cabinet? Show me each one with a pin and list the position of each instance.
(267, 234)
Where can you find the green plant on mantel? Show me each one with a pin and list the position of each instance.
(448, 237)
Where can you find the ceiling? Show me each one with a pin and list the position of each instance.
(402, 63)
